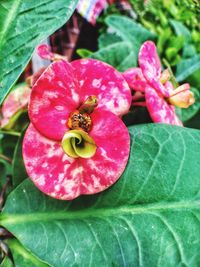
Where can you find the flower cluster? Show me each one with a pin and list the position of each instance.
(76, 143)
(154, 85)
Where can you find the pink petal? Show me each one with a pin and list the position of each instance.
(48, 167)
(113, 141)
(135, 79)
(44, 51)
(53, 97)
(149, 63)
(159, 109)
(17, 100)
(62, 177)
(100, 79)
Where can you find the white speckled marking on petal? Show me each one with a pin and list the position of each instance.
(105, 82)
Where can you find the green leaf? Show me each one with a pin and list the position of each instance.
(176, 42)
(18, 168)
(189, 50)
(186, 114)
(22, 257)
(163, 37)
(23, 25)
(194, 122)
(107, 39)
(83, 53)
(150, 217)
(128, 29)
(120, 55)
(6, 263)
(181, 30)
(187, 66)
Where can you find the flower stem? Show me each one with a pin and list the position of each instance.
(10, 133)
(173, 79)
(5, 158)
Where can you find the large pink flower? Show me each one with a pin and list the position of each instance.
(56, 107)
(159, 93)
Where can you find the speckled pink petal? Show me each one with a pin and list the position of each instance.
(17, 100)
(159, 109)
(100, 79)
(52, 171)
(62, 177)
(135, 79)
(113, 146)
(149, 63)
(44, 51)
(53, 97)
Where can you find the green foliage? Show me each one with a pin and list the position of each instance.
(187, 66)
(120, 48)
(186, 114)
(151, 215)
(22, 257)
(18, 168)
(176, 24)
(84, 53)
(121, 55)
(23, 25)
(6, 262)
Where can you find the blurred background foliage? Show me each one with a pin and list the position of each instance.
(174, 25)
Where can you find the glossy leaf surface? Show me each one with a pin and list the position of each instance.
(23, 25)
(150, 217)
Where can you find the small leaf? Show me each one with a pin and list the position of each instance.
(176, 42)
(150, 216)
(6, 262)
(84, 53)
(187, 66)
(189, 50)
(121, 55)
(163, 37)
(22, 257)
(181, 30)
(23, 25)
(107, 39)
(128, 29)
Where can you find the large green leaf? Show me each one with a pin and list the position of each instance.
(106, 39)
(187, 66)
(120, 48)
(127, 28)
(22, 257)
(121, 55)
(150, 217)
(23, 24)
(6, 262)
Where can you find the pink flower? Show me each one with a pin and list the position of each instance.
(14, 105)
(160, 95)
(66, 123)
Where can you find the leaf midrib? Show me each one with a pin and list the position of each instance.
(12, 13)
(13, 219)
